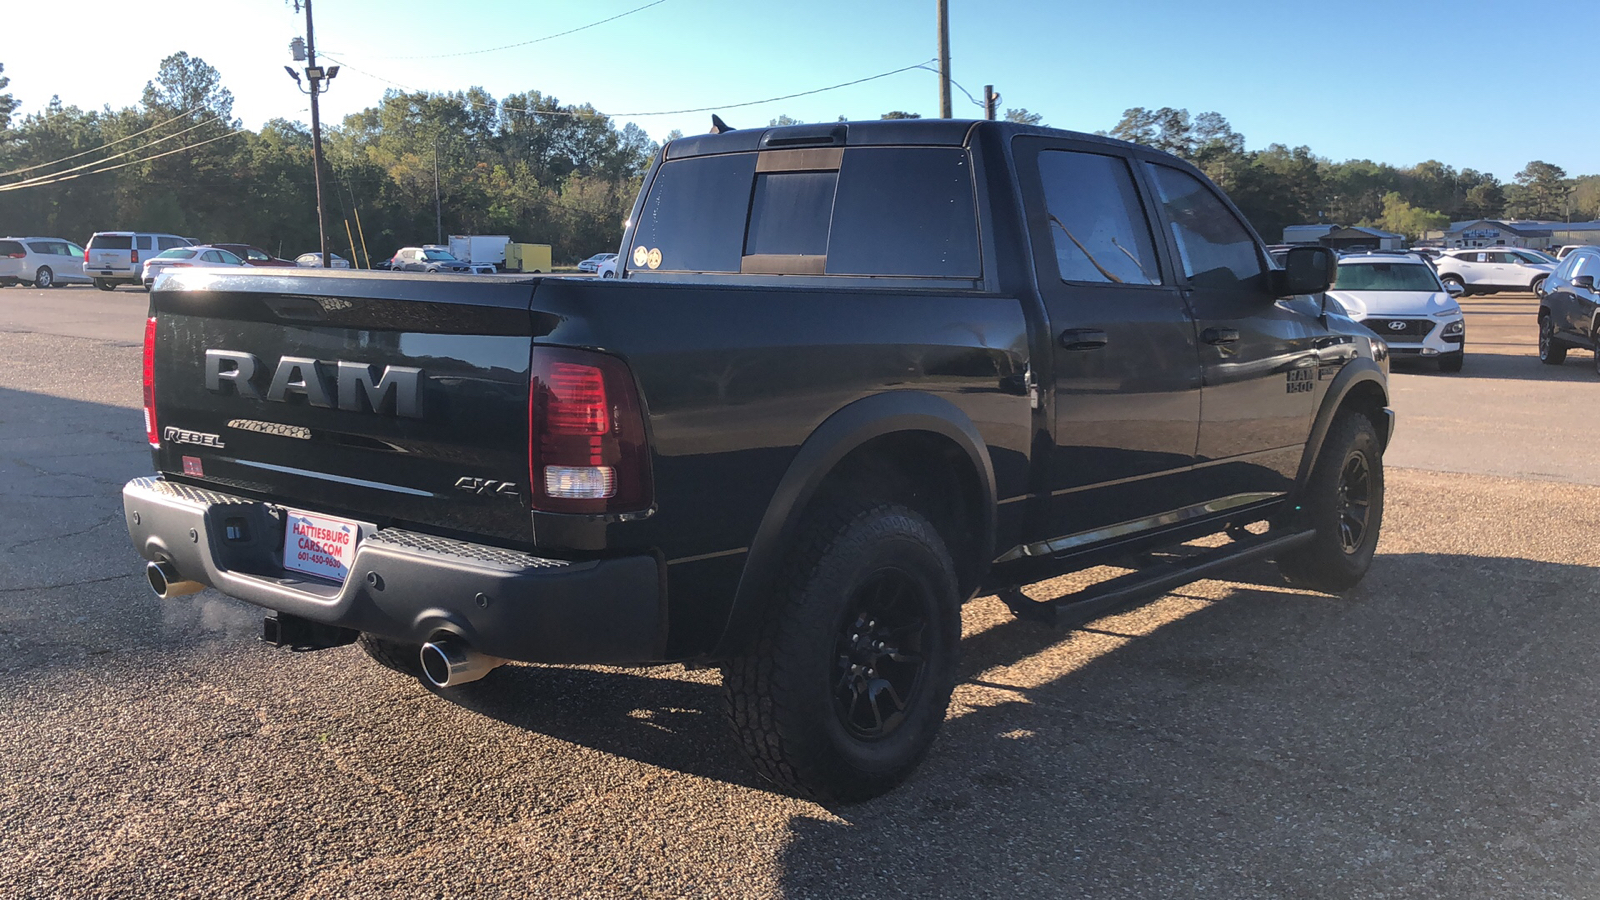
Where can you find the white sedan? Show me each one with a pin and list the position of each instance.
(201, 257)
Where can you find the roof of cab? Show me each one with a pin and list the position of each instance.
(873, 132)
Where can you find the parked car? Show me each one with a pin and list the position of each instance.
(592, 264)
(1491, 271)
(428, 259)
(830, 407)
(608, 269)
(200, 256)
(255, 256)
(1562, 251)
(1402, 300)
(41, 261)
(117, 257)
(314, 261)
(1569, 311)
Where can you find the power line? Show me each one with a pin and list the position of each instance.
(637, 115)
(51, 179)
(975, 100)
(548, 37)
(89, 165)
(97, 149)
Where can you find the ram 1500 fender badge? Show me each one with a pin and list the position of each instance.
(483, 487)
(395, 392)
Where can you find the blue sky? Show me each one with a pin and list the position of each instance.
(1467, 82)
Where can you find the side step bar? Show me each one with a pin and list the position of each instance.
(1099, 599)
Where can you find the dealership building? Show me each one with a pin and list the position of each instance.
(1535, 235)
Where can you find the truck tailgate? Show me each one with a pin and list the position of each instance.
(397, 400)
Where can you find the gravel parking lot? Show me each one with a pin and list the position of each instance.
(1434, 733)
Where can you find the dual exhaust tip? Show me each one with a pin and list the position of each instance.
(446, 662)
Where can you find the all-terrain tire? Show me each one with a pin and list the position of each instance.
(1343, 505)
(847, 682)
(1552, 352)
(397, 655)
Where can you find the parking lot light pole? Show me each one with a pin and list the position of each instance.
(944, 58)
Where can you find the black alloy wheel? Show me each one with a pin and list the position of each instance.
(1355, 501)
(1551, 351)
(878, 659)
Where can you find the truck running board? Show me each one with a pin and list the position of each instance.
(1106, 596)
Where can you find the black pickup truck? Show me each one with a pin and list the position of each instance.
(852, 375)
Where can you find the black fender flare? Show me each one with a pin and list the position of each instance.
(1354, 373)
(850, 427)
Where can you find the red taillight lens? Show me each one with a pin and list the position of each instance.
(20, 254)
(151, 432)
(586, 444)
(133, 256)
(86, 255)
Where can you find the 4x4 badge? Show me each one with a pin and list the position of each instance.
(484, 487)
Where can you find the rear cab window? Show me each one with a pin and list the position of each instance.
(863, 211)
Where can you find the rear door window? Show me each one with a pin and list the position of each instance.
(1216, 249)
(167, 243)
(1101, 233)
(143, 241)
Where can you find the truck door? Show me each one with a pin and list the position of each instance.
(1258, 351)
(1125, 375)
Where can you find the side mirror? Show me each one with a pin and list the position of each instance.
(1306, 270)
(1454, 289)
(1584, 281)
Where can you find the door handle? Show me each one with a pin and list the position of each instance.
(1083, 339)
(1219, 335)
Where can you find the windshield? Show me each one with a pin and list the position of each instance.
(1385, 277)
(437, 255)
(176, 253)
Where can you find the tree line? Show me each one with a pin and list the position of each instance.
(544, 171)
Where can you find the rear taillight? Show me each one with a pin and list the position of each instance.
(86, 255)
(151, 432)
(586, 444)
(133, 256)
(20, 254)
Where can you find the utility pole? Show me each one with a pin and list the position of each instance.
(944, 59)
(438, 209)
(318, 77)
(990, 101)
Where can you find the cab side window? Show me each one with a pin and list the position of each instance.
(1100, 231)
(167, 243)
(1216, 249)
(142, 242)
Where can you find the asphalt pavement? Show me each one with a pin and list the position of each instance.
(1430, 734)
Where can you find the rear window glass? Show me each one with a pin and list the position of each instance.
(176, 253)
(790, 213)
(885, 211)
(111, 242)
(9, 247)
(694, 218)
(905, 211)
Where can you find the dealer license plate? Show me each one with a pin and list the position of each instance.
(319, 545)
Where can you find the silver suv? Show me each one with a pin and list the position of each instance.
(118, 257)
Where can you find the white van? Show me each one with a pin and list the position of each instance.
(118, 257)
(41, 261)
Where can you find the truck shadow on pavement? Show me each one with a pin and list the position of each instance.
(1238, 738)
